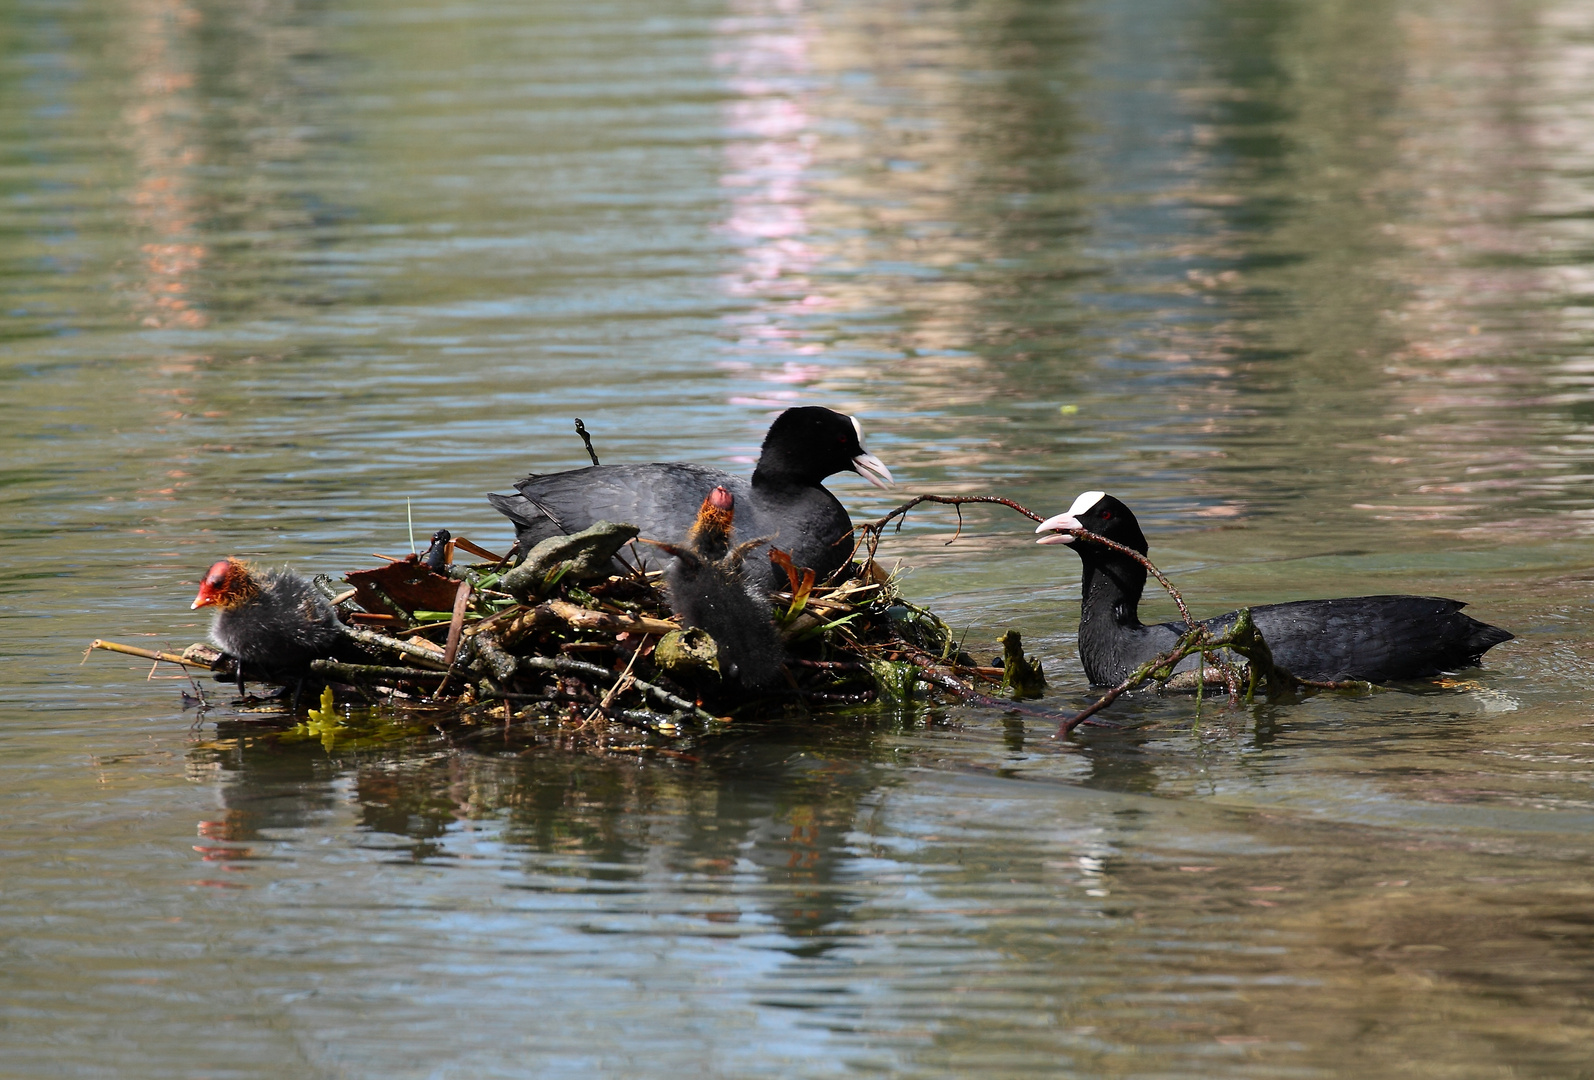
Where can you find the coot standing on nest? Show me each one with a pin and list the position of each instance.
(1376, 639)
(274, 622)
(784, 500)
(709, 589)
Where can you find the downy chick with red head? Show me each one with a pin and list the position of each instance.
(273, 621)
(709, 588)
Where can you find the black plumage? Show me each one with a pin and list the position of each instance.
(1378, 639)
(709, 588)
(435, 557)
(784, 500)
(274, 622)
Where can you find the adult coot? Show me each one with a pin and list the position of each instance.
(784, 501)
(1377, 639)
(273, 621)
(709, 589)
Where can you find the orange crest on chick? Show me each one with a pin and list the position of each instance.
(711, 532)
(228, 584)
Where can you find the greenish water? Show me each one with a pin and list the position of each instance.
(1304, 283)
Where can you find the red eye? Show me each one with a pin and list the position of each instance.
(1106, 515)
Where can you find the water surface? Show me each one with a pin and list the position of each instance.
(1305, 284)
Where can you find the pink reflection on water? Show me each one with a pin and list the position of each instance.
(163, 139)
(766, 58)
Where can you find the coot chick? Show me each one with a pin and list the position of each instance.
(273, 621)
(784, 500)
(1376, 639)
(709, 588)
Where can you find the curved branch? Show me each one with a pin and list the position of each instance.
(1096, 538)
(944, 500)
(1242, 637)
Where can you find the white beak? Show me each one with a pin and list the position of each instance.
(873, 470)
(1061, 521)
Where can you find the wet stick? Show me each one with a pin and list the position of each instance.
(644, 719)
(1163, 665)
(143, 654)
(372, 640)
(369, 673)
(456, 625)
(511, 628)
(581, 429)
(620, 684)
(930, 672)
(498, 661)
(580, 618)
(1242, 637)
(582, 668)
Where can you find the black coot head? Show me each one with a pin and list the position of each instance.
(1097, 512)
(807, 444)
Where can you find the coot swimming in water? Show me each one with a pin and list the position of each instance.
(784, 500)
(1375, 639)
(709, 589)
(273, 621)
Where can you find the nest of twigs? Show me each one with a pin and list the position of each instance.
(568, 644)
(559, 640)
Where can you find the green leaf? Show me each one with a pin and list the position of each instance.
(323, 722)
(815, 631)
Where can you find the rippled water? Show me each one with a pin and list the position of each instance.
(1306, 284)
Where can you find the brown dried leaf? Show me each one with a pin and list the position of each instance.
(408, 582)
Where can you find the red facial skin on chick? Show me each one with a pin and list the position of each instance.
(227, 585)
(714, 520)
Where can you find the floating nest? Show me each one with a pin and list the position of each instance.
(563, 646)
(563, 643)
